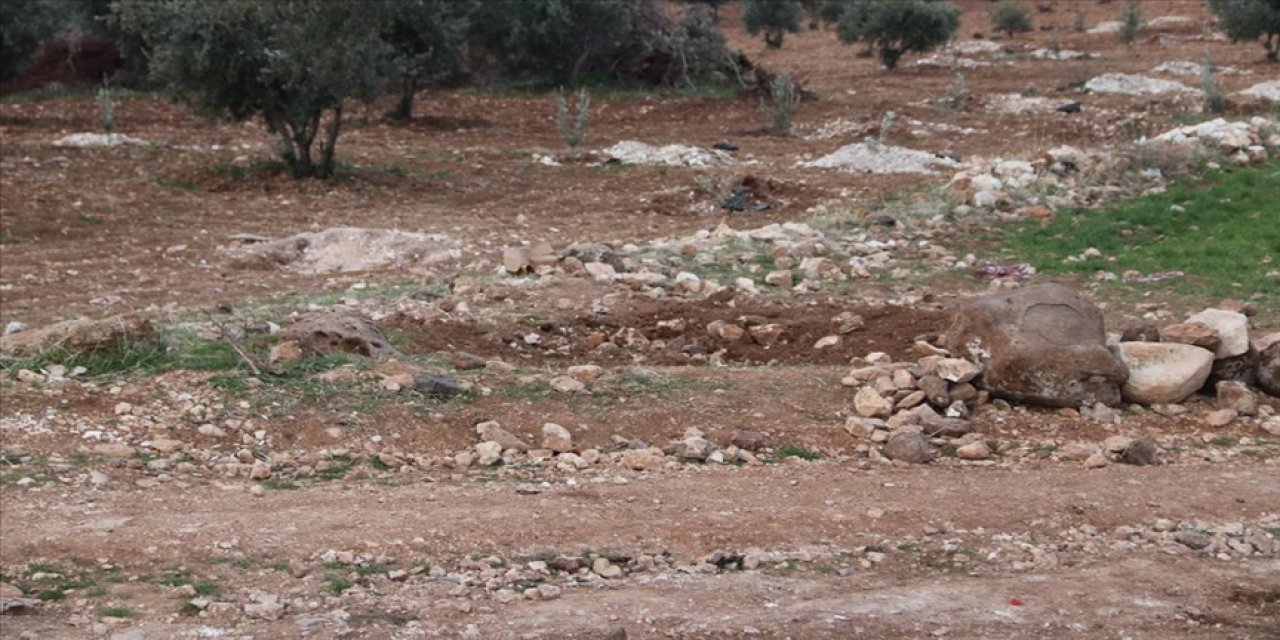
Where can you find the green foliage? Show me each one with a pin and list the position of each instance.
(24, 24)
(785, 97)
(290, 61)
(557, 38)
(1222, 231)
(773, 17)
(1244, 20)
(1130, 22)
(712, 5)
(895, 28)
(424, 36)
(572, 128)
(1010, 18)
(690, 50)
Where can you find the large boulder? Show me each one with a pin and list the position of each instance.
(340, 331)
(1043, 344)
(1268, 368)
(80, 336)
(1163, 372)
(1232, 329)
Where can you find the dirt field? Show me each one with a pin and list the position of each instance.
(216, 503)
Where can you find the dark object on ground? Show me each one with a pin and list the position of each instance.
(725, 145)
(1072, 107)
(439, 386)
(739, 200)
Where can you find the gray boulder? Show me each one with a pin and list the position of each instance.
(1042, 345)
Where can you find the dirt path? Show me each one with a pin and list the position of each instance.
(823, 511)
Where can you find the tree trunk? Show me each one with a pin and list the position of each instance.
(330, 144)
(404, 108)
(773, 38)
(299, 139)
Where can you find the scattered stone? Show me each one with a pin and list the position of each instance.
(567, 384)
(516, 260)
(113, 450)
(606, 569)
(693, 448)
(488, 453)
(260, 471)
(870, 404)
(1163, 372)
(974, 451)
(340, 332)
(1267, 371)
(492, 431)
(642, 460)
(586, 372)
(748, 440)
(781, 278)
(1236, 396)
(439, 386)
(1192, 539)
(1220, 418)
(957, 370)
(1140, 451)
(1193, 333)
(1096, 461)
(826, 341)
(908, 446)
(1271, 426)
(556, 438)
(1042, 344)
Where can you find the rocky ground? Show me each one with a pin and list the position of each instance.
(577, 398)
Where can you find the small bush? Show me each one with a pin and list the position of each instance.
(1130, 21)
(895, 28)
(572, 127)
(785, 97)
(1244, 20)
(1215, 100)
(106, 108)
(773, 17)
(1010, 18)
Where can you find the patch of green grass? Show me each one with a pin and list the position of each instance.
(377, 463)
(95, 592)
(373, 569)
(1221, 229)
(796, 451)
(336, 584)
(1221, 441)
(531, 390)
(117, 611)
(340, 464)
(276, 484)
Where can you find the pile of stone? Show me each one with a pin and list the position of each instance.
(1132, 85)
(1243, 142)
(1046, 345)
(671, 155)
(1168, 364)
(906, 407)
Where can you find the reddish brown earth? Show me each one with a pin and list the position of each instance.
(97, 232)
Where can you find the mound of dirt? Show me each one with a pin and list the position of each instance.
(345, 249)
(1135, 85)
(861, 157)
(677, 332)
(672, 155)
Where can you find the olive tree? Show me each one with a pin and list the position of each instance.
(559, 39)
(293, 62)
(1250, 20)
(897, 27)
(24, 24)
(773, 17)
(424, 36)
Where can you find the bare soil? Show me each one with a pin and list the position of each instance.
(1028, 544)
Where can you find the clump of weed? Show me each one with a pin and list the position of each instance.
(785, 97)
(796, 451)
(573, 128)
